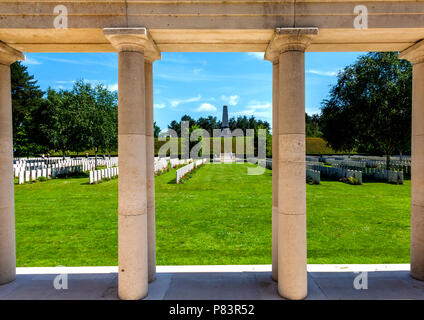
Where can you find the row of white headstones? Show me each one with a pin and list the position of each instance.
(162, 163)
(99, 175)
(27, 170)
(159, 165)
(181, 172)
(32, 175)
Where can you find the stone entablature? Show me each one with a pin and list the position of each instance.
(238, 26)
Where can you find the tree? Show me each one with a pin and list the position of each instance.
(336, 131)
(209, 124)
(26, 99)
(95, 118)
(312, 124)
(156, 130)
(175, 126)
(83, 118)
(370, 106)
(54, 121)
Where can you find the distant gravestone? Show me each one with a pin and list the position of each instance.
(21, 177)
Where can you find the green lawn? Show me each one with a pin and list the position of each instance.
(220, 215)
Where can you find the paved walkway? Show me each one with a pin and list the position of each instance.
(217, 282)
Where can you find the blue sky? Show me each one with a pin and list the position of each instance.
(198, 84)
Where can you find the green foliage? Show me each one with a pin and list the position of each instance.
(156, 130)
(26, 98)
(81, 119)
(211, 123)
(353, 181)
(312, 126)
(85, 117)
(313, 146)
(369, 109)
(311, 181)
(318, 146)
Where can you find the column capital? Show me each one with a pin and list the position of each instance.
(414, 53)
(289, 39)
(8, 55)
(133, 39)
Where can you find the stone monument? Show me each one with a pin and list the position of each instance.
(227, 155)
(225, 127)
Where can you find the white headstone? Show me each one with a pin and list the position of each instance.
(21, 177)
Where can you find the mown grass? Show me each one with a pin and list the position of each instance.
(220, 215)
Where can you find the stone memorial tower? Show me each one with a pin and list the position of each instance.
(226, 155)
(225, 127)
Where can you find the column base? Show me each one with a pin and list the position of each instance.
(417, 242)
(132, 278)
(417, 276)
(7, 277)
(274, 243)
(292, 272)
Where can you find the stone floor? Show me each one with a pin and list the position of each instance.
(216, 282)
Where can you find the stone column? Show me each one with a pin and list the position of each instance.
(150, 165)
(8, 55)
(415, 54)
(290, 45)
(275, 94)
(133, 45)
(273, 56)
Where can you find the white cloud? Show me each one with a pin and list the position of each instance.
(102, 61)
(323, 73)
(206, 107)
(259, 105)
(252, 112)
(256, 55)
(186, 75)
(159, 105)
(176, 102)
(177, 58)
(112, 87)
(64, 81)
(257, 109)
(29, 60)
(231, 100)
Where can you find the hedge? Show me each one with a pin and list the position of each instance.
(314, 146)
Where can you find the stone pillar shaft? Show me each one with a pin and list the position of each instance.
(7, 203)
(292, 275)
(415, 54)
(136, 245)
(132, 201)
(7, 200)
(275, 94)
(287, 52)
(417, 177)
(150, 171)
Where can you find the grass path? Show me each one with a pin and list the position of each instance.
(220, 215)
